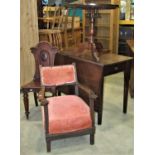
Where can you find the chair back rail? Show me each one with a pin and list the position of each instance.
(44, 54)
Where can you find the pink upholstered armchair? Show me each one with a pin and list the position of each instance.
(67, 115)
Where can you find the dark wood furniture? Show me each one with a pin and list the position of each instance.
(126, 32)
(106, 25)
(44, 54)
(92, 8)
(130, 44)
(91, 73)
(68, 115)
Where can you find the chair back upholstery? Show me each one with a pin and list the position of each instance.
(58, 75)
(44, 54)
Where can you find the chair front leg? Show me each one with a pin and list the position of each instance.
(92, 138)
(48, 145)
(91, 103)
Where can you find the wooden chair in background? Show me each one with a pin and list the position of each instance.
(59, 27)
(54, 26)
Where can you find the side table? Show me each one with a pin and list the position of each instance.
(92, 73)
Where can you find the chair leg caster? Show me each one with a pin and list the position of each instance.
(92, 139)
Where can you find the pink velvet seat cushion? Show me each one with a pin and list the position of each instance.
(57, 75)
(67, 114)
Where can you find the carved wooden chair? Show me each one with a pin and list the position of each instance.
(67, 115)
(44, 54)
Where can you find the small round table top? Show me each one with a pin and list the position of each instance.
(93, 6)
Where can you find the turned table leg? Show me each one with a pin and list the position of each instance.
(26, 104)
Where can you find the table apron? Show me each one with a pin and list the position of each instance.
(114, 68)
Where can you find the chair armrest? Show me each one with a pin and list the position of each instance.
(91, 95)
(41, 97)
(88, 91)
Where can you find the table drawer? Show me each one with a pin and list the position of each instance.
(114, 68)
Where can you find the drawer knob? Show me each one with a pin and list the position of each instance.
(116, 68)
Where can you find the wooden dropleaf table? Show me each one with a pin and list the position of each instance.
(91, 73)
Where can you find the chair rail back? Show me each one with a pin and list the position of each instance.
(44, 54)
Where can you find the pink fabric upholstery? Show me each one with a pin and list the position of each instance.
(67, 114)
(57, 75)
